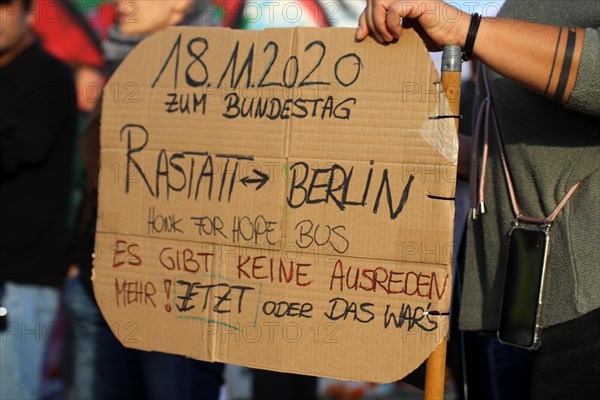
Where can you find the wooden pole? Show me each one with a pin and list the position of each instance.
(435, 372)
(451, 78)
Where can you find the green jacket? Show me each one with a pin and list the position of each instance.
(550, 147)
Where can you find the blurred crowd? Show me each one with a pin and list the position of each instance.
(55, 58)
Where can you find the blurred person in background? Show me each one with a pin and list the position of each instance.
(37, 132)
(71, 32)
(104, 368)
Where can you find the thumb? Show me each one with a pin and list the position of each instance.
(362, 31)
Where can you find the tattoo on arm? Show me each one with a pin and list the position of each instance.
(566, 67)
(554, 61)
(565, 49)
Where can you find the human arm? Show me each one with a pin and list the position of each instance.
(531, 54)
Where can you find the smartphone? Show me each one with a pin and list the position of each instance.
(524, 287)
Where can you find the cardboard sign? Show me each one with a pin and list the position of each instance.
(279, 200)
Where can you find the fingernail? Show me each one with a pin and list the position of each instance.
(359, 31)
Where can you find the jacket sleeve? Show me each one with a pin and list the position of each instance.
(585, 96)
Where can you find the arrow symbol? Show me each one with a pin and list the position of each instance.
(261, 180)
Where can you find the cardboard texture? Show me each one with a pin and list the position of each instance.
(279, 199)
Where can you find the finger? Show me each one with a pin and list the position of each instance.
(394, 22)
(362, 31)
(370, 25)
(379, 20)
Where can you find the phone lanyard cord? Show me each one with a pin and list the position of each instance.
(486, 112)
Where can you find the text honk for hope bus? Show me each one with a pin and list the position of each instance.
(278, 199)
